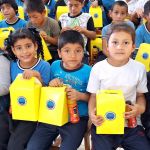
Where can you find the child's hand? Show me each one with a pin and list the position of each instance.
(28, 74)
(133, 113)
(56, 83)
(44, 35)
(96, 120)
(10, 110)
(94, 4)
(65, 29)
(72, 94)
(79, 29)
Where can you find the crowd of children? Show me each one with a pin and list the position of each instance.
(68, 40)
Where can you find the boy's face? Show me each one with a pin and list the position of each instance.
(72, 55)
(120, 47)
(8, 11)
(119, 13)
(75, 7)
(37, 18)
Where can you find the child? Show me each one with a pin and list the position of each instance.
(9, 9)
(119, 71)
(4, 101)
(143, 31)
(50, 4)
(81, 22)
(24, 47)
(118, 13)
(69, 71)
(48, 27)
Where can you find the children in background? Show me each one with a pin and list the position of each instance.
(143, 31)
(20, 2)
(24, 47)
(68, 71)
(118, 13)
(4, 101)
(48, 27)
(81, 22)
(119, 71)
(9, 9)
(50, 4)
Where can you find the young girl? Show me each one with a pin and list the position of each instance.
(4, 100)
(120, 72)
(24, 47)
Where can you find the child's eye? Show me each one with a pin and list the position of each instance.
(29, 46)
(78, 50)
(114, 42)
(126, 43)
(18, 48)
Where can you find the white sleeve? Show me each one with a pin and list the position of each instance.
(94, 82)
(4, 76)
(142, 84)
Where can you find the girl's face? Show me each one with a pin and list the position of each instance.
(120, 47)
(26, 51)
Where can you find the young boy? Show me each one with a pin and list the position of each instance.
(143, 31)
(118, 13)
(48, 27)
(81, 22)
(9, 9)
(70, 71)
(118, 71)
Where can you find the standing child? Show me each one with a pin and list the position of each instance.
(4, 101)
(48, 27)
(143, 31)
(70, 71)
(118, 71)
(118, 13)
(81, 22)
(24, 47)
(9, 9)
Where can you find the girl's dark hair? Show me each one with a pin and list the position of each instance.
(121, 4)
(121, 27)
(147, 8)
(70, 36)
(34, 5)
(30, 33)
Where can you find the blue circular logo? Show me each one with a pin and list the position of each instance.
(50, 104)
(22, 101)
(96, 15)
(145, 55)
(110, 115)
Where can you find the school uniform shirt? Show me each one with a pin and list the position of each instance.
(107, 28)
(41, 66)
(20, 23)
(77, 79)
(130, 78)
(83, 20)
(142, 35)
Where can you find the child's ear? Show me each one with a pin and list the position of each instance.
(13, 50)
(133, 47)
(59, 53)
(110, 13)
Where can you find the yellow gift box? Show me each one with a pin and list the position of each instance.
(110, 104)
(25, 96)
(53, 106)
(143, 55)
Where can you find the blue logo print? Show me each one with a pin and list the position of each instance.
(50, 104)
(110, 115)
(22, 101)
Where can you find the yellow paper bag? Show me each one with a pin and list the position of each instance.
(143, 55)
(110, 104)
(53, 106)
(25, 96)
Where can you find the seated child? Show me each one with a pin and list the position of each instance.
(120, 72)
(9, 9)
(68, 71)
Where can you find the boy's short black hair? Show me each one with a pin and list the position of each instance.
(147, 8)
(121, 4)
(121, 27)
(81, 1)
(34, 5)
(12, 3)
(70, 36)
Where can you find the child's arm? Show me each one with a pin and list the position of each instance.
(73, 94)
(27, 74)
(138, 108)
(56, 82)
(89, 34)
(96, 120)
(49, 39)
